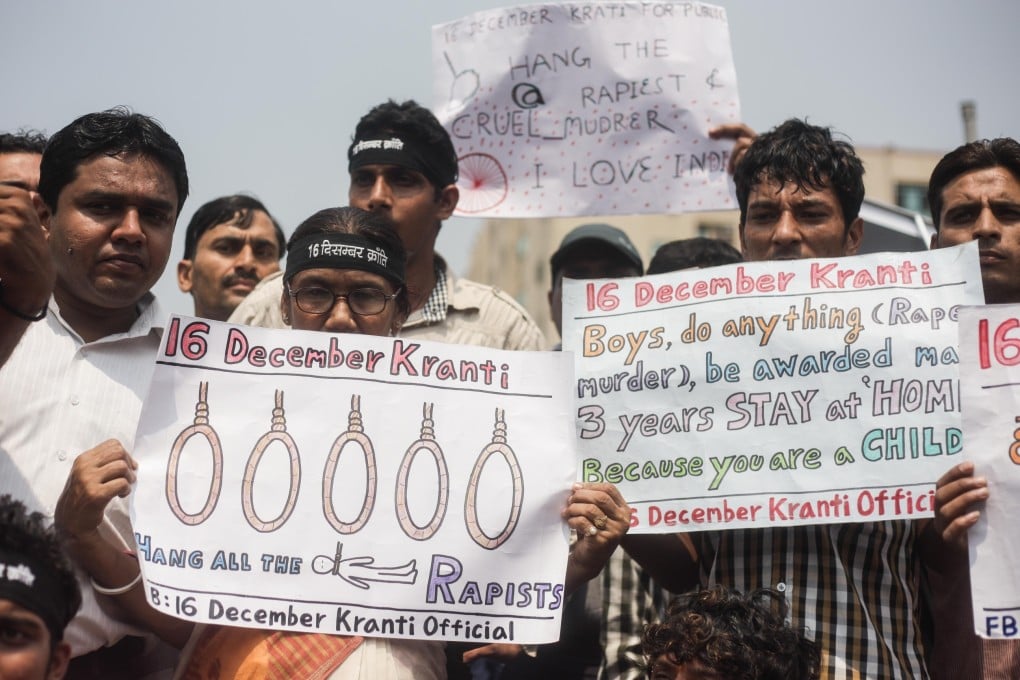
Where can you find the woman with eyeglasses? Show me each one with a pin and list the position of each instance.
(345, 274)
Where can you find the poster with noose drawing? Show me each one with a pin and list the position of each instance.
(354, 485)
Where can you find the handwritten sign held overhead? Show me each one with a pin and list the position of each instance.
(354, 485)
(772, 393)
(596, 108)
(990, 383)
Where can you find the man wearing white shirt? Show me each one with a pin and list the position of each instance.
(112, 184)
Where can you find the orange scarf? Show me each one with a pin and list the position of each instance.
(224, 653)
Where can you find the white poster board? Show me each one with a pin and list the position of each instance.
(772, 393)
(990, 386)
(355, 485)
(589, 108)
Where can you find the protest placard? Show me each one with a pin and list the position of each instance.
(772, 393)
(588, 108)
(990, 388)
(354, 485)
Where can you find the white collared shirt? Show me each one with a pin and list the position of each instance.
(59, 397)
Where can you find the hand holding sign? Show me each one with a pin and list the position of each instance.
(957, 494)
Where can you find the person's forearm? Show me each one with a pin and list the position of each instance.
(113, 568)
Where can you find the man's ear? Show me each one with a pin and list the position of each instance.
(934, 241)
(854, 236)
(398, 323)
(43, 212)
(743, 245)
(58, 661)
(448, 199)
(285, 306)
(184, 275)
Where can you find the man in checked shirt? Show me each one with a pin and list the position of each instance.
(853, 587)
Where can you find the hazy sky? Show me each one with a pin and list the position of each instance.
(263, 97)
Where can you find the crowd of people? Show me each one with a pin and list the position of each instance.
(86, 225)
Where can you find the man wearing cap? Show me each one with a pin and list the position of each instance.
(39, 595)
(602, 621)
(403, 166)
(591, 251)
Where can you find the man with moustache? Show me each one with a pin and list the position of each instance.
(231, 244)
(853, 587)
(974, 194)
(403, 166)
(112, 185)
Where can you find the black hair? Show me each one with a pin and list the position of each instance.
(27, 533)
(348, 220)
(733, 635)
(22, 141)
(980, 155)
(809, 157)
(415, 122)
(237, 209)
(112, 132)
(693, 252)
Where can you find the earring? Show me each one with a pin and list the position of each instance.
(277, 433)
(200, 427)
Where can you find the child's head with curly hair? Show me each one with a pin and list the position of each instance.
(718, 633)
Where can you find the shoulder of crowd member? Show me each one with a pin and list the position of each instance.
(503, 316)
(261, 307)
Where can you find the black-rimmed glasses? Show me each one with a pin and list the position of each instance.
(362, 301)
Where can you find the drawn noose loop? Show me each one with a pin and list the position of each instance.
(497, 445)
(426, 442)
(355, 433)
(279, 433)
(199, 427)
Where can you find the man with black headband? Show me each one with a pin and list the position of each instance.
(38, 596)
(403, 166)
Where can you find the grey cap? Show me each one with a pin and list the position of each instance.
(599, 232)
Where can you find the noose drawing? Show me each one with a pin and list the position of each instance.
(497, 445)
(355, 434)
(279, 433)
(426, 442)
(200, 427)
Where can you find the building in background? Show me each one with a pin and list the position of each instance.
(514, 254)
